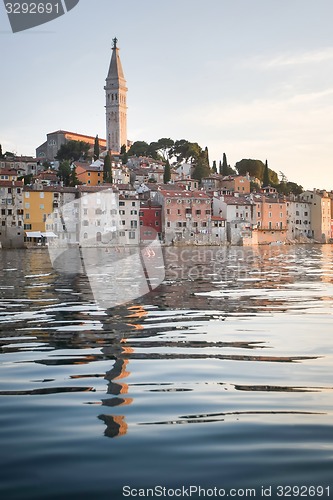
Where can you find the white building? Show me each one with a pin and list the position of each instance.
(320, 214)
(298, 220)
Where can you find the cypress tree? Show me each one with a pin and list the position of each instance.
(265, 179)
(107, 170)
(225, 170)
(220, 167)
(167, 173)
(96, 148)
(214, 169)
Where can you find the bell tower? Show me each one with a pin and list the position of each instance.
(116, 103)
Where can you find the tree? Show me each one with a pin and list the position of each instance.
(73, 179)
(220, 167)
(201, 166)
(163, 147)
(214, 168)
(224, 165)
(167, 173)
(73, 151)
(123, 154)
(64, 172)
(107, 170)
(1, 155)
(139, 148)
(96, 148)
(265, 179)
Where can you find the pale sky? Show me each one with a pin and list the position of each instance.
(251, 78)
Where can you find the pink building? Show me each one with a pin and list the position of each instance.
(271, 217)
(186, 216)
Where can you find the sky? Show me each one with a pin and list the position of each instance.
(249, 78)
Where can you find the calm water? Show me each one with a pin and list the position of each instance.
(221, 377)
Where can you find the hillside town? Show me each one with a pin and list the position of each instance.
(151, 198)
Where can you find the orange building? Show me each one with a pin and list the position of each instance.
(88, 174)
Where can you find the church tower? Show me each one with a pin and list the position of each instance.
(116, 108)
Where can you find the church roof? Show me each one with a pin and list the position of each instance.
(115, 69)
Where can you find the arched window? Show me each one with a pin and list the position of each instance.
(85, 236)
(98, 236)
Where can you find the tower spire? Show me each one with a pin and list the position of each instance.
(116, 108)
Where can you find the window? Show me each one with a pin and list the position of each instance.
(203, 224)
(133, 203)
(141, 222)
(121, 203)
(168, 211)
(156, 223)
(27, 226)
(134, 223)
(85, 211)
(27, 195)
(178, 211)
(3, 211)
(41, 207)
(198, 212)
(41, 195)
(141, 213)
(9, 212)
(134, 212)
(9, 190)
(270, 214)
(207, 212)
(85, 223)
(258, 214)
(168, 224)
(85, 236)
(27, 216)
(157, 214)
(131, 235)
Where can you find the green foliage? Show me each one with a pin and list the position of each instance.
(266, 177)
(225, 169)
(214, 168)
(289, 188)
(167, 172)
(107, 170)
(96, 148)
(1, 155)
(256, 168)
(46, 165)
(201, 166)
(73, 151)
(163, 147)
(64, 172)
(123, 154)
(139, 148)
(27, 179)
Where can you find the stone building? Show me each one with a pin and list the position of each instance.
(116, 103)
(11, 214)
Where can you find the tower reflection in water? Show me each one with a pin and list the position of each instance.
(116, 424)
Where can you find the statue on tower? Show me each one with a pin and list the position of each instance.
(115, 40)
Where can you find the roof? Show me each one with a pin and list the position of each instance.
(8, 171)
(11, 183)
(52, 189)
(183, 194)
(115, 69)
(67, 132)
